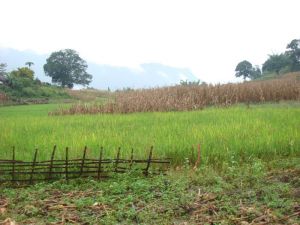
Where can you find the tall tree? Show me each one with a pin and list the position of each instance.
(276, 63)
(29, 64)
(3, 72)
(66, 68)
(244, 69)
(3, 69)
(256, 73)
(293, 51)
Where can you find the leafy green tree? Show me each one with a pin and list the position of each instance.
(244, 69)
(66, 68)
(23, 72)
(276, 63)
(18, 83)
(293, 51)
(3, 72)
(256, 73)
(29, 64)
(3, 69)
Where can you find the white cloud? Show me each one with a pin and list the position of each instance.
(209, 37)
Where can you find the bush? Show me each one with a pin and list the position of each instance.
(20, 87)
(18, 83)
(28, 92)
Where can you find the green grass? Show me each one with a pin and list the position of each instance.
(249, 174)
(248, 194)
(234, 134)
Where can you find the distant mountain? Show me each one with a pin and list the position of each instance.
(104, 76)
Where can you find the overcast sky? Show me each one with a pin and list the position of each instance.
(209, 37)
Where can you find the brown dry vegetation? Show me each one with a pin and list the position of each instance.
(185, 98)
(3, 98)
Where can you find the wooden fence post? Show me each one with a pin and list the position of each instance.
(149, 161)
(83, 159)
(131, 159)
(33, 166)
(100, 162)
(13, 165)
(67, 164)
(117, 160)
(51, 163)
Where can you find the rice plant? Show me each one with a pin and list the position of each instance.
(234, 134)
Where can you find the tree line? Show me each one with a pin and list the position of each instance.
(65, 67)
(21, 83)
(289, 61)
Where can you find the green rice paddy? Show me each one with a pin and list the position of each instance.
(237, 133)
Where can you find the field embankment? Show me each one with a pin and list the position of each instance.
(89, 95)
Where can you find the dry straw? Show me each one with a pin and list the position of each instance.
(185, 98)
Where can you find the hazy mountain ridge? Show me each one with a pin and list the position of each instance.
(104, 76)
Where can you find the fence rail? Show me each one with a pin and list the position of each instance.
(28, 172)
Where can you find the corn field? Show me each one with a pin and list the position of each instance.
(186, 98)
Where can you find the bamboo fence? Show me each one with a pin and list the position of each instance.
(29, 172)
